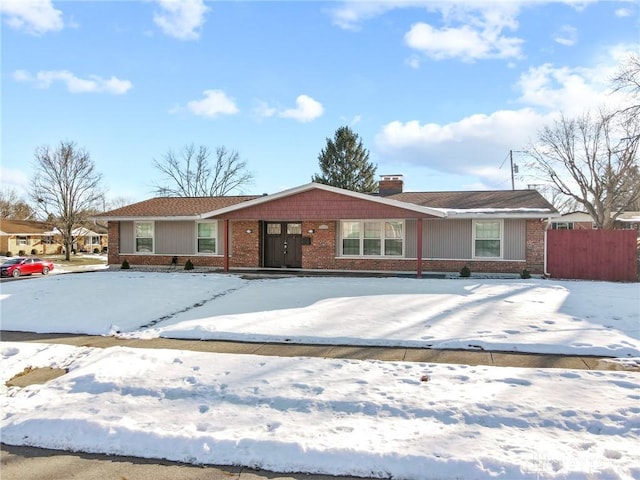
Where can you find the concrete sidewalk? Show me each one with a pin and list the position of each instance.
(464, 357)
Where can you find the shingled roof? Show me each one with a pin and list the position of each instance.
(175, 206)
(24, 227)
(478, 200)
(520, 202)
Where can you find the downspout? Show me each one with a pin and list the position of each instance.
(226, 245)
(419, 249)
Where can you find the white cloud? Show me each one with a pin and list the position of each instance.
(567, 36)
(215, 103)
(307, 109)
(92, 84)
(623, 12)
(264, 110)
(33, 16)
(477, 144)
(468, 35)
(181, 19)
(470, 29)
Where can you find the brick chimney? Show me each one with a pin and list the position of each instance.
(390, 185)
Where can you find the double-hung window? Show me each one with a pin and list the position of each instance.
(144, 237)
(207, 235)
(487, 241)
(372, 238)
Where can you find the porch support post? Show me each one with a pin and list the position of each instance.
(226, 245)
(419, 249)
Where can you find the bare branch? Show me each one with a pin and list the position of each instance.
(193, 174)
(65, 188)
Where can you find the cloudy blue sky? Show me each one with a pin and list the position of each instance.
(439, 91)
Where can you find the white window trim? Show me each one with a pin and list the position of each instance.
(473, 240)
(382, 238)
(153, 238)
(215, 237)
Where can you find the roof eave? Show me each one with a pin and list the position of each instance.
(147, 218)
(497, 215)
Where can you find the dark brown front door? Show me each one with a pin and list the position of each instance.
(283, 244)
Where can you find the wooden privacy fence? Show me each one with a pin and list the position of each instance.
(610, 255)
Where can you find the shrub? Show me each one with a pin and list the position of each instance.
(96, 250)
(9, 254)
(525, 274)
(465, 272)
(188, 265)
(33, 251)
(22, 253)
(125, 265)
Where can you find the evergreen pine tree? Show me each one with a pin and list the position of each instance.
(344, 163)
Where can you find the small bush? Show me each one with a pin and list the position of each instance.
(33, 251)
(525, 274)
(96, 250)
(125, 265)
(22, 253)
(465, 272)
(9, 254)
(188, 265)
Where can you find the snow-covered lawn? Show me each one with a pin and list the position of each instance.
(367, 418)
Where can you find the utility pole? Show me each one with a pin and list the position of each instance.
(514, 169)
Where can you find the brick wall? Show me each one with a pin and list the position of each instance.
(245, 246)
(535, 246)
(322, 251)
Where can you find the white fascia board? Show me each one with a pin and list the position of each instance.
(145, 219)
(502, 213)
(436, 212)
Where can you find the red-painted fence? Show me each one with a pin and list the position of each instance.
(610, 255)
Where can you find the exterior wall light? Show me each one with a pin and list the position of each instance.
(249, 230)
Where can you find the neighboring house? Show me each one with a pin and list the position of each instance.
(583, 221)
(318, 227)
(26, 236)
(90, 241)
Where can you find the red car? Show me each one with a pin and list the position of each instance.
(14, 267)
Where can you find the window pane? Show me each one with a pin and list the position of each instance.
(206, 245)
(393, 247)
(206, 230)
(372, 246)
(144, 245)
(294, 229)
(350, 229)
(273, 229)
(144, 229)
(487, 248)
(371, 230)
(488, 230)
(351, 246)
(393, 229)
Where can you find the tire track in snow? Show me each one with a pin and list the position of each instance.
(155, 322)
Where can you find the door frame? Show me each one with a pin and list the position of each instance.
(292, 240)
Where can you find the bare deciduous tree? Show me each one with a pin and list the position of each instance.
(627, 80)
(593, 160)
(12, 207)
(66, 188)
(194, 173)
